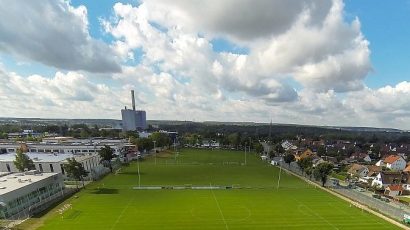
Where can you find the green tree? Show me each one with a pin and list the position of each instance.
(161, 139)
(258, 147)
(145, 144)
(272, 153)
(289, 158)
(305, 163)
(75, 170)
(106, 153)
(279, 149)
(322, 171)
(22, 161)
(309, 172)
(321, 150)
(234, 139)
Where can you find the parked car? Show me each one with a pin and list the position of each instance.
(361, 189)
(377, 196)
(387, 200)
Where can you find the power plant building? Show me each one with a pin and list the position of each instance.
(132, 119)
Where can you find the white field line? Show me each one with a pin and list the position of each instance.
(316, 214)
(357, 204)
(378, 221)
(122, 212)
(220, 210)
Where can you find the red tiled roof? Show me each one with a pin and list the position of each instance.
(395, 187)
(390, 159)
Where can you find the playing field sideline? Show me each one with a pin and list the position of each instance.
(256, 203)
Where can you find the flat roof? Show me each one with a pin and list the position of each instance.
(38, 157)
(14, 181)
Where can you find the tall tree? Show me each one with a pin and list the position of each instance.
(75, 170)
(22, 161)
(289, 158)
(106, 153)
(279, 149)
(321, 150)
(145, 144)
(305, 163)
(161, 139)
(258, 147)
(322, 171)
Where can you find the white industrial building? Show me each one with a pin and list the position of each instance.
(22, 193)
(64, 145)
(53, 163)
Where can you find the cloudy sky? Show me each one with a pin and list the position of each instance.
(317, 62)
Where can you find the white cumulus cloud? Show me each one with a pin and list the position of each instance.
(54, 33)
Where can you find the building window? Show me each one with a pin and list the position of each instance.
(41, 167)
(8, 167)
(51, 168)
(62, 169)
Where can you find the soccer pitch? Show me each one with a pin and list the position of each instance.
(256, 203)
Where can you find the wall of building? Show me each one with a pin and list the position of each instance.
(61, 148)
(31, 195)
(133, 120)
(89, 163)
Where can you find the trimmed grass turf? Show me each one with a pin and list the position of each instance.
(112, 204)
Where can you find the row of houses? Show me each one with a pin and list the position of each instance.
(391, 174)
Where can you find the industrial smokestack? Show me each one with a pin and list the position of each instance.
(133, 100)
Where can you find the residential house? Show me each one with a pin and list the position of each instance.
(361, 157)
(276, 160)
(394, 190)
(393, 162)
(316, 161)
(358, 170)
(373, 170)
(287, 145)
(384, 179)
(305, 154)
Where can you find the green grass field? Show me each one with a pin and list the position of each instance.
(112, 203)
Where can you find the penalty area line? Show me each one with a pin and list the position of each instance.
(219, 207)
(122, 212)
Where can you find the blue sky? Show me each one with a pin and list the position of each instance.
(298, 62)
(386, 27)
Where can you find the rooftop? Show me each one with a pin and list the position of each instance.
(14, 181)
(38, 157)
(392, 158)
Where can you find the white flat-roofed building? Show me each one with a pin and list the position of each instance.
(65, 145)
(21, 193)
(52, 163)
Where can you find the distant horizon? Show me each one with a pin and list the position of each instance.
(209, 121)
(322, 63)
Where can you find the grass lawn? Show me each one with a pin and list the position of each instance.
(112, 203)
(405, 198)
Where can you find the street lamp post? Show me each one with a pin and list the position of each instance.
(245, 153)
(280, 171)
(139, 175)
(155, 151)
